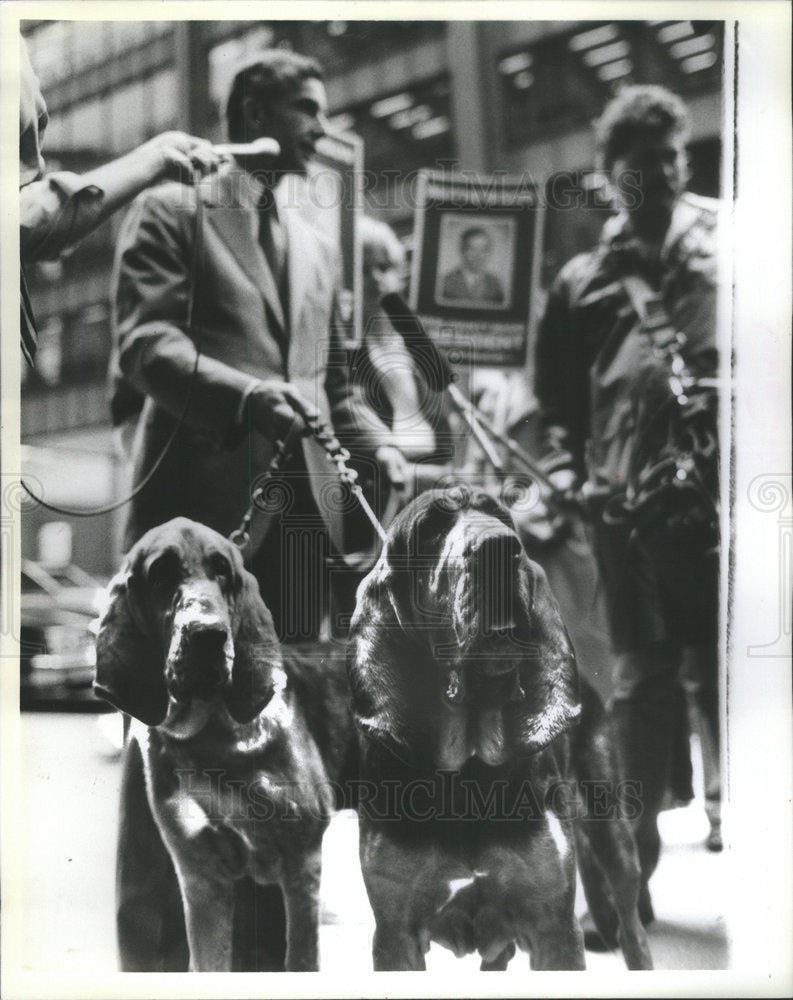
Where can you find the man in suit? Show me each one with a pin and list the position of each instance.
(471, 281)
(262, 295)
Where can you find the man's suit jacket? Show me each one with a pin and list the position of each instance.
(240, 328)
(488, 287)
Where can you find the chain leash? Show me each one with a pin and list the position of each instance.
(337, 455)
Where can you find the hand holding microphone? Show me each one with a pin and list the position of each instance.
(179, 155)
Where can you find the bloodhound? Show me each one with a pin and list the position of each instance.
(484, 770)
(244, 744)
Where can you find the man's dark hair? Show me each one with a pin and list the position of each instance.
(468, 234)
(638, 111)
(274, 74)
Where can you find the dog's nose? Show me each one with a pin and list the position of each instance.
(495, 578)
(498, 547)
(206, 640)
(200, 667)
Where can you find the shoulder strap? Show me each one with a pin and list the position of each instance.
(649, 307)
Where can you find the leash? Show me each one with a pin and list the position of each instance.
(338, 456)
(335, 453)
(195, 335)
(440, 377)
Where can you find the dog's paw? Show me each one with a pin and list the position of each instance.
(491, 933)
(453, 929)
(501, 961)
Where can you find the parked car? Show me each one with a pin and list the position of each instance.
(57, 643)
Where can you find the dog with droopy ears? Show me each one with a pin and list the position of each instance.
(187, 648)
(465, 689)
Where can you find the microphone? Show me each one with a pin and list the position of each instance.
(259, 147)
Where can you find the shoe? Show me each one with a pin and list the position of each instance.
(713, 841)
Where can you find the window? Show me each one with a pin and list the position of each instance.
(50, 52)
(406, 130)
(127, 116)
(89, 44)
(162, 98)
(561, 83)
(350, 43)
(90, 121)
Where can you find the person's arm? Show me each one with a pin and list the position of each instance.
(152, 290)
(561, 386)
(171, 155)
(61, 209)
(32, 120)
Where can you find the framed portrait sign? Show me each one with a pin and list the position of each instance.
(335, 193)
(475, 264)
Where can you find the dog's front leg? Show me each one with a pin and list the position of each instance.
(556, 942)
(209, 916)
(300, 886)
(401, 885)
(538, 886)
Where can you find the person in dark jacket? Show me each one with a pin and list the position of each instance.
(625, 367)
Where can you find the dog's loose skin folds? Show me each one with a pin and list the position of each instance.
(240, 741)
(465, 694)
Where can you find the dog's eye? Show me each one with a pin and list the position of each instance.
(165, 571)
(220, 569)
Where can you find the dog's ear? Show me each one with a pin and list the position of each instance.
(391, 684)
(549, 676)
(257, 653)
(129, 669)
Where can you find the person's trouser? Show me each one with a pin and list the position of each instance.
(700, 675)
(648, 709)
(661, 589)
(656, 688)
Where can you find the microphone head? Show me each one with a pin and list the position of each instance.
(263, 147)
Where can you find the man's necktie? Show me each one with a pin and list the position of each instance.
(27, 321)
(271, 238)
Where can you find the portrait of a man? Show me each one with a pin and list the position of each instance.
(473, 269)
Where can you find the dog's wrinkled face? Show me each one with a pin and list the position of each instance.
(186, 630)
(189, 591)
(468, 577)
(455, 615)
